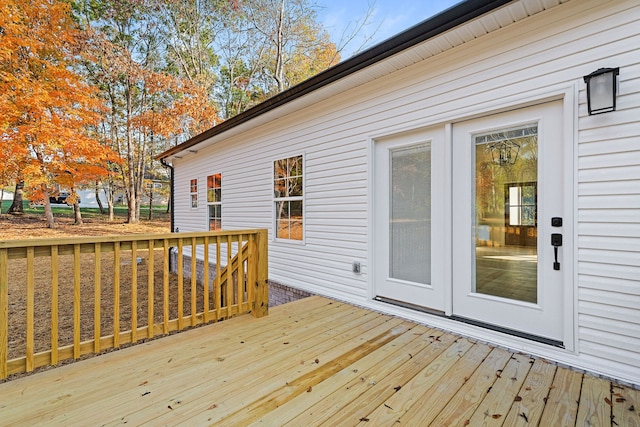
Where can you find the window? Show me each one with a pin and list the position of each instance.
(214, 201)
(193, 192)
(288, 192)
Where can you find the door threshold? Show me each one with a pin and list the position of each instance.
(520, 334)
(410, 306)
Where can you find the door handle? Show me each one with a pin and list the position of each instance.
(556, 242)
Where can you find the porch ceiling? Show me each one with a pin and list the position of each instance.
(315, 362)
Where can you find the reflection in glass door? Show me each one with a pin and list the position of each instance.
(506, 252)
(509, 182)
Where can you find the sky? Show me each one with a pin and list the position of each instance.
(388, 18)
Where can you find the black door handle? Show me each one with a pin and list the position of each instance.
(556, 242)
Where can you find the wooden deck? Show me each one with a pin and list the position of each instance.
(316, 362)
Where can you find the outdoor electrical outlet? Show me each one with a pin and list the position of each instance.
(355, 267)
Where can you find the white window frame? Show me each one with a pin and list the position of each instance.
(193, 193)
(288, 199)
(213, 201)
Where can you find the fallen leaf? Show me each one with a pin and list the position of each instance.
(143, 383)
(317, 360)
(388, 406)
(518, 399)
(632, 408)
(466, 423)
(397, 388)
(214, 406)
(528, 389)
(169, 406)
(620, 399)
(309, 390)
(608, 401)
(496, 416)
(146, 392)
(523, 415)
(364, 419)
(286, 342)
(220, 359)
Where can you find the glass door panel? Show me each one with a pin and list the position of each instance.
(408, 263)
(509, 182)
(410, 214)
(506, 213)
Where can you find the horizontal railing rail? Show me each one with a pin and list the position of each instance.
(66, 298)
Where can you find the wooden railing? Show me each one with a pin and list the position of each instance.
(65, 298)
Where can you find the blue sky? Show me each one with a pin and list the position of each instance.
(389, 17)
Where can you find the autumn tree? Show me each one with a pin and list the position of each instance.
(47, 109)
(148, 106)
(296, 46)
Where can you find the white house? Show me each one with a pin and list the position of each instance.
(453, 175)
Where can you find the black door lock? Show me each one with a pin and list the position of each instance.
(556, 242)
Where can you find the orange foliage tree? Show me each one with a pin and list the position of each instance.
(47, 110)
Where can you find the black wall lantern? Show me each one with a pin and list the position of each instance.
(601, 90)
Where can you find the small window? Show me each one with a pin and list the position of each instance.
(193, 192)
(288, 192)
(214, 201)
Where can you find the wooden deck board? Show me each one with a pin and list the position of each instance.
(529, 403)
(316, 362)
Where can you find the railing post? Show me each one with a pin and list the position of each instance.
(260, 302)
(4, 312)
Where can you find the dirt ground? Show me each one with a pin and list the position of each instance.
(32, 227)
(13, 227)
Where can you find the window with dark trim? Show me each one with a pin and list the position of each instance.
(288, 198)
(214, 201)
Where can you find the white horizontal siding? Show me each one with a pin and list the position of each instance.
(609, 221)
(549, 50)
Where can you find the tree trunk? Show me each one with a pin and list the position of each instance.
(132, 206)
(77, 215)
(98, 200)
(48, 213)
(16, 207)
(279, 67)
(150, 203)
